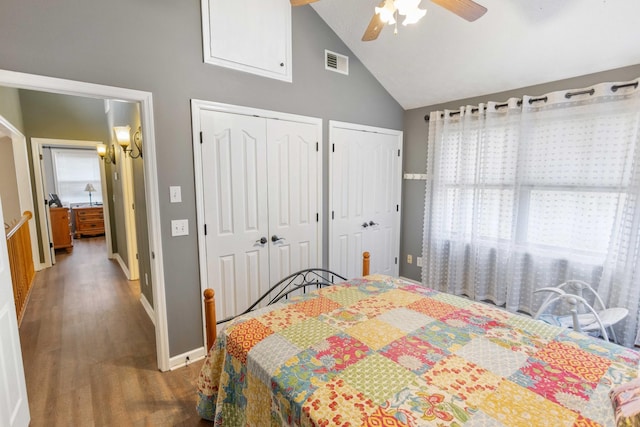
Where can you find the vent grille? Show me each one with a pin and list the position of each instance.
(336, 62)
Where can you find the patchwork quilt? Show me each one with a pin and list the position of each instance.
(379, 351)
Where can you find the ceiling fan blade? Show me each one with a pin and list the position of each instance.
(301, 2)
(466, 9)
(375, 26)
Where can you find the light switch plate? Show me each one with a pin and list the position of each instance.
(179, 227)
(175, 194)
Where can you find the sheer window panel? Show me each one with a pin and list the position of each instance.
(73, 170)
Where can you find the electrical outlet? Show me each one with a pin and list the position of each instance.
(409, 259)
(419, 261)
(179, 227)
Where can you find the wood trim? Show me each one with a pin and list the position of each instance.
(365, 263)
(21, 263)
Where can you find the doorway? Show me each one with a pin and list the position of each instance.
(81, 89)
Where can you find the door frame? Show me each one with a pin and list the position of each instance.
(92, 90)
(25, 194)
(333, 125)
(37, 144)
(200, 105)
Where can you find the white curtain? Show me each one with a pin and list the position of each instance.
(533, 192)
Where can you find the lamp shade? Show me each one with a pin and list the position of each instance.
(89, 187)
(123, 135)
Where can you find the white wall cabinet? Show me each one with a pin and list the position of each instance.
(248, 35)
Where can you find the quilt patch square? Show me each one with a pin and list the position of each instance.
(308, 332)
(453, 300)
(298, 378)
(420, 403)
(535, 327)
(475, 323)
(413, 353)
(516, 340)
(558, 386)
(258, 401)
(400, 298)
(443, 336)
(346, 296)
(377, 377)
(516, 406)
(375, 333)
(492, 357)
(336, 403)
(280, 319)
(374, 306)
(244, 336)
(432, 307)
(266, 356)
(490, 311)
(338, 352)
(463, 378)
(343, 318)
(575, 360)
(405, 319)
(316, 306)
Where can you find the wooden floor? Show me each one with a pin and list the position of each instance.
(89, 350)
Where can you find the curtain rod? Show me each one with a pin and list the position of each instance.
(568, 95)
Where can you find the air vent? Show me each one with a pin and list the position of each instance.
(336, 62)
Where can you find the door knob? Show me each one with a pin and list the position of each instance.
(365, 225)
(262, 240)
(372, 223)
(275, 238)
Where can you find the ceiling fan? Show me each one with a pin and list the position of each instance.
(387, 11)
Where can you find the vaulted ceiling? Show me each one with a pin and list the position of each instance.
(516, 43)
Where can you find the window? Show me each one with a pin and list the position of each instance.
(73, 170)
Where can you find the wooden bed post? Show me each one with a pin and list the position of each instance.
(365, 264)
(210, 317)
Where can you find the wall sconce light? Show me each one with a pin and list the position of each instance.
(123, 136)
(109, 156)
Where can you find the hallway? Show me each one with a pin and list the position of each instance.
(89, 349)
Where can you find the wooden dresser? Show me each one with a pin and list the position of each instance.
(61, 228)
(89, 221)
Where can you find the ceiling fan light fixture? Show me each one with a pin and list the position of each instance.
(387, 12)
(414, 16)
(406, 7)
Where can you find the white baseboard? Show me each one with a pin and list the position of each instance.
(406, 279)
(148, 309)
(180, 361)
(123, 266)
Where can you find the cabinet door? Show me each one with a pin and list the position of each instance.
(235, 208)
(293, 197)
(249, 35)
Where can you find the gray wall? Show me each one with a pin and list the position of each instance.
(157, 47)
(415, 152)
(54, 116)
(8, 182)
(123, 114)
(10, 107)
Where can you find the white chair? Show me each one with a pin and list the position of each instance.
(596, 319)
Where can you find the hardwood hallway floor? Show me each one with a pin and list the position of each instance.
(89, 350)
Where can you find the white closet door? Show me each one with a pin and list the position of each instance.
(236, 212)
(293, 197)
(14, 408)
(365, 199)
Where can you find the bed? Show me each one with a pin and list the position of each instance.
(380, 351)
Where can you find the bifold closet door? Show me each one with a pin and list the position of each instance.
(260, 182)
(365, 200)
(234, 154)
(293, 197)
